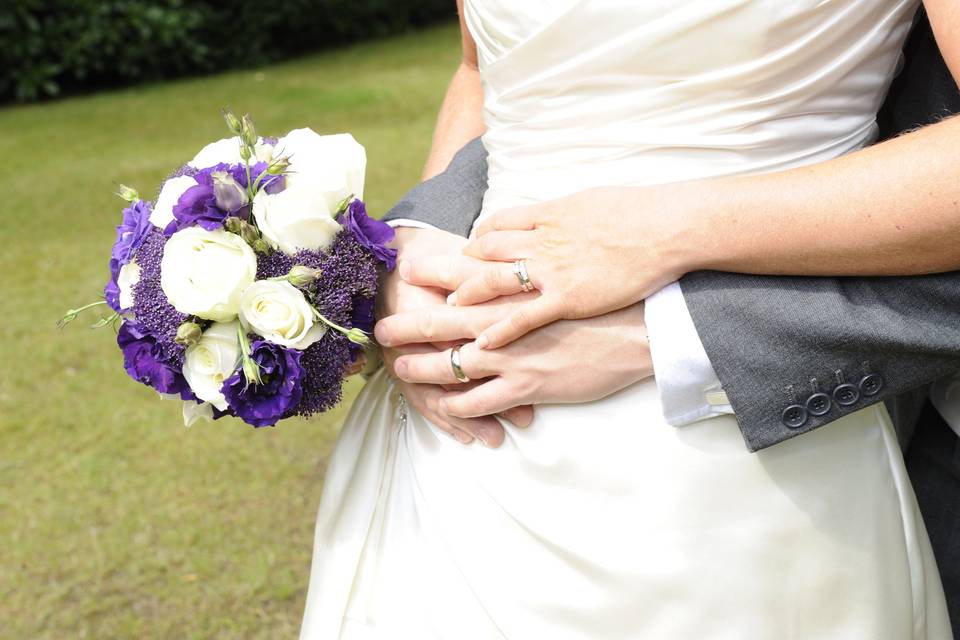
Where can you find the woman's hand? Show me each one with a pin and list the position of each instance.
(565, 362)
(588, 254)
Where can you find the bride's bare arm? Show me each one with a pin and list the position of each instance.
(461, 118)
(890, 209)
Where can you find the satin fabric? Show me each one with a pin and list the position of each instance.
(601, 521)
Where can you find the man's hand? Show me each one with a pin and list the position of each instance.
(565, 362)
(397, 296)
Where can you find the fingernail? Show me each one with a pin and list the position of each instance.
(486, 436)
(443, 407)
(463, 438)
(381, 335)
(404, 269)
(482, 342)
(400, 368)
(452, 299)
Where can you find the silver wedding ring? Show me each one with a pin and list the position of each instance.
(520, 270)
(455, 365)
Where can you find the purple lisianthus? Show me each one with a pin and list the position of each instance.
(132, 231)
(199, 204)
(111, 292)
(144, 361)
(362, 318)
(371, 233)
(271, 184)
(279, 391)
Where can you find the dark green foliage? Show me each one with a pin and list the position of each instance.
(53, 46)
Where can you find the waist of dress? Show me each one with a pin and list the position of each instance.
(528, 168)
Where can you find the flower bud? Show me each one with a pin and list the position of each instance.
(233, 122)
(229, 194)
(302, 276)
(244, 152)
(251, 371)
(233, 224)
(261, 246)
(127, 193)
(357, 336)
(249, 233)
(278, 166)
(344, 204)
(188, 334)
(248, 133)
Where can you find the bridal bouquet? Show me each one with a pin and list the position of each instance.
(247, 287)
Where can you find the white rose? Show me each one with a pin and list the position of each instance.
(203, 273)
(228, 150)
(295, 219)
(170, 193)
(194, 411)
(211, 361)
(332, 167)
(278, 311)
(128, 277)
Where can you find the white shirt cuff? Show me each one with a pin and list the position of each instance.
(689, 387)
(406, 222)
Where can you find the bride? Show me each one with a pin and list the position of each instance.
(600, 520)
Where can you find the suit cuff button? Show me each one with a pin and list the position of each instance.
(871, 384)
(818, 404)
(794, 416)
(846, 394)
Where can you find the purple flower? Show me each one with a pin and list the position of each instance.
(132, 231)
(361, 318)
(144, 361)
(279, 392)
(198, 204)
(371, 233)
(111, 292)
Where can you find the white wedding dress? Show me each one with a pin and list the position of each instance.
(601, 521)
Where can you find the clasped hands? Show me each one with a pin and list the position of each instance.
(579, 337)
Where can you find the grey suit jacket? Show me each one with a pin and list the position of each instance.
(792, 353)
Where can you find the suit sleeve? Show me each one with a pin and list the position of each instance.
(451, 200)
(796, 353)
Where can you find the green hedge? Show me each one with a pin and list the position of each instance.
(52, 46)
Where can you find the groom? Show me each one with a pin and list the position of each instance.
(853, 342)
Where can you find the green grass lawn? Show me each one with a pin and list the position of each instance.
(115, 521)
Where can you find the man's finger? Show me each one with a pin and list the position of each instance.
(444, 272)
(392, 353)
(503, 245)
(435, 324)
(516, 218)
(533, 315)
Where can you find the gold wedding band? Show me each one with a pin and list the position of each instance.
(455, 365)
(520, 270)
